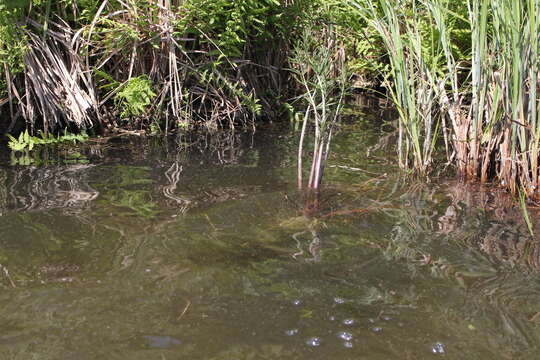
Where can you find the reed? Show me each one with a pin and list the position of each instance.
(410, 80)
(484, 103)
(515, 52)
(318, 64)
(501, 127)
(463, 75)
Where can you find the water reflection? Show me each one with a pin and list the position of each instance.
(170, 250)
(32, 188)
(173, 176)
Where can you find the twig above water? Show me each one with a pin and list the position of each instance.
(188, 304)
(6, 272)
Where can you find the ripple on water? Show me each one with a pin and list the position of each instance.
(348, 322)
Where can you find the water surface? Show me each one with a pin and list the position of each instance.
(202, 248)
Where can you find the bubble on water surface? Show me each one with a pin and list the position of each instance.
(348, 322)
(332, 318)
(376, 329)
(313, 342)
(438, 348)
(291, 332)
(339, 300)
(347, 336)
(297, 302)
(348, 344)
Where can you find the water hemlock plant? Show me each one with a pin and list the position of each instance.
(319, 66)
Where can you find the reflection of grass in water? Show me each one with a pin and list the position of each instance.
(502, 310)
(59, 155)
(138, 201)
(460, 242)
(129, 188)
(129, 175)
(233, 271)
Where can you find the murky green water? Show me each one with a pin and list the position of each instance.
(137, 249)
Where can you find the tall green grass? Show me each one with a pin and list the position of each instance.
(484, 102)
(410, 81)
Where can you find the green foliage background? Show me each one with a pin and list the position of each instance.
(223, 36)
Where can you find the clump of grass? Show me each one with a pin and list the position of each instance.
(211, 63)
(411, 80)
(319, 66)
(484, 104)
(27, 142)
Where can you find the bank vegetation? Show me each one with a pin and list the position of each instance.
(463, 75)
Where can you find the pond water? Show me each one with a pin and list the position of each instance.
(202, 248)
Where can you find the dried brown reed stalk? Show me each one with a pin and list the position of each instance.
(57, 85)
